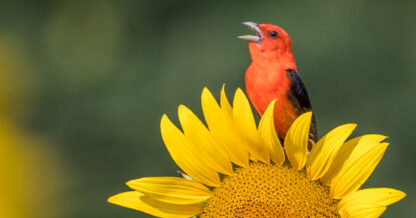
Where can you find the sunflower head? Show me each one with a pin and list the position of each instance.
(235, 168)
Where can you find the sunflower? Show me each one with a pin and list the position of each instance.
(235, 169)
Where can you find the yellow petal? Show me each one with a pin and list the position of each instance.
(223, 130)
(356, 170)
(244, 120)
(361, 211)
(369, 202)
(296, 141)
(172, 190)
(138, 201)
(213, 155)
(268, 132)
(325, 150)
(186, 156)
(225, 104)
(347, 150)
(376, 196)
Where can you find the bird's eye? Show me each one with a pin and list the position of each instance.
(273, 34)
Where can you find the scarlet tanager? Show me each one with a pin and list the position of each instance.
(272, 74)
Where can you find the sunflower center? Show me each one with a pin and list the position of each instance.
(263, 190)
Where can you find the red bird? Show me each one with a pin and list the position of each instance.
(272, 74)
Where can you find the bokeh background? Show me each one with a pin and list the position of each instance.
(83, 85)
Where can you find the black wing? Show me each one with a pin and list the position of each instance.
(300, 100)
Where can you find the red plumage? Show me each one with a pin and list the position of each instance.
(273, 75)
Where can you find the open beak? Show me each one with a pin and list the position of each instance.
(255, 27)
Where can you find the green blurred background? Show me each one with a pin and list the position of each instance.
(92, 79)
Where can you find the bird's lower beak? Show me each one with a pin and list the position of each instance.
(255, 27)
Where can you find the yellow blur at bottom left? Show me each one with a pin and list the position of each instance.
(29, 174)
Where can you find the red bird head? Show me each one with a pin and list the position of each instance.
(270, 42)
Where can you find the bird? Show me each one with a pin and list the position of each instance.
(273, 74)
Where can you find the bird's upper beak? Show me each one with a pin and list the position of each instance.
(255, 27)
